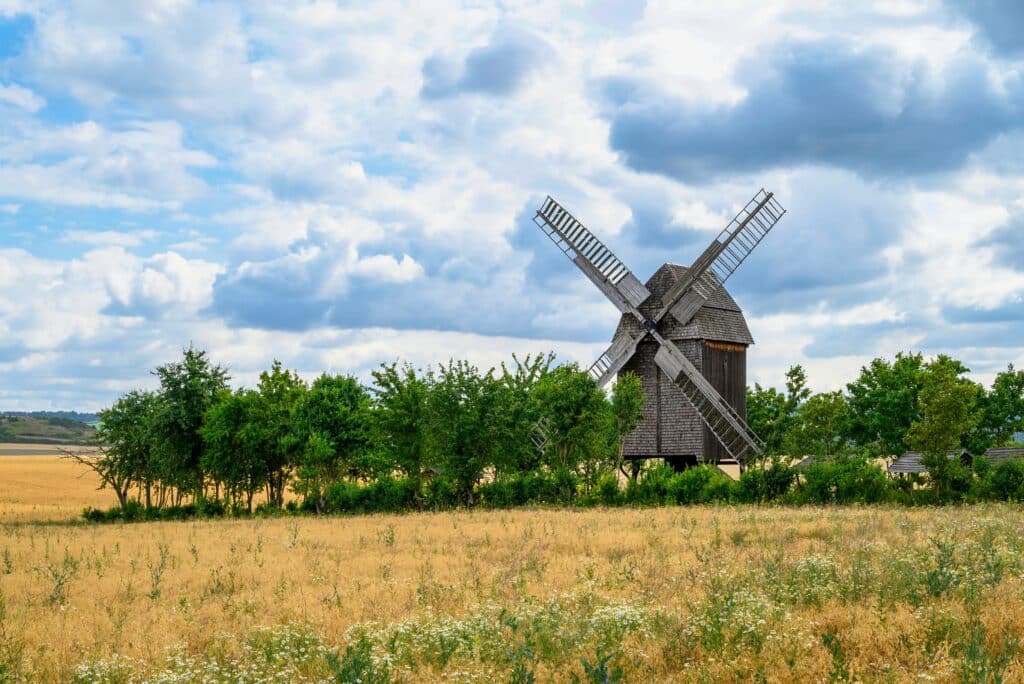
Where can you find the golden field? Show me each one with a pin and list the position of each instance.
(669, 594)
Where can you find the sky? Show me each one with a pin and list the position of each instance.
(339, 185)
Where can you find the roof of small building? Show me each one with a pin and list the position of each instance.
(810, 460)
(911, 462)
(999, 454)
(720, 319)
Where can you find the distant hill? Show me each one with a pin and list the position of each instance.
(44, 429)
(88, 418)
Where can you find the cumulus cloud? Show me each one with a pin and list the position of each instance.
(1000, 23)
(359, 181)
(823, 103)
(21, 97)
(498, 68)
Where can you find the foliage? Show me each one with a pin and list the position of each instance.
(819, 426)
(948, 412)
(883, 403)
(332, 422)
(188, 388)
(845, 480)
(627, 408)
(465, 425)
(762, 484)
(577, 416)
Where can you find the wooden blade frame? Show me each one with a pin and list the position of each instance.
(722, 257)
(626, 292)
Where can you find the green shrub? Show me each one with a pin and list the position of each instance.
(765, 484)
(652, 488)
(703, 484)
(440, 494)
(1005, 481)
(607, 492)
(845, 480)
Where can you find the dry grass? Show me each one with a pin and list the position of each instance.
(35, 484)
(673, 594)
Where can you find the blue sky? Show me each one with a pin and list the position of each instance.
(340, 185)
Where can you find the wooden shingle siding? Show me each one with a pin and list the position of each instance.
(715, 342)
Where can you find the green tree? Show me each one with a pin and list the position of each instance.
(948, 411)
(124, 458)
(766, 416)
(577, 414)
(188, 388)
(332, 421)
(1003, 409)
(280, 391)
(521, 411)
(399, 419)
(464, 421)
(883, 403)
(819, 426)
(628, 409)
(235, 445)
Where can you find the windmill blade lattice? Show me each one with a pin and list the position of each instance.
(722, 257)
(591, 256)
(683, 300)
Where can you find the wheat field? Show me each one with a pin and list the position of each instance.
(668, 594)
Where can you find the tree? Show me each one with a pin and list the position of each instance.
(1003, 409)
(236, 445)
(279, 392)
(628, 409)
(124, 457)
(520, 413)
(188, 388)
(399, 418)
(463, 418)
(948, 411)
(766, 416)
(819, 426)
(883, 403)
(577, 414)
(332, 421)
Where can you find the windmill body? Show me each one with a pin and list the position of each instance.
(682, 323)
(715, 341)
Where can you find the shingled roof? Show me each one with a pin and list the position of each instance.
(720, 319)
(1000, 454)
(910, 462)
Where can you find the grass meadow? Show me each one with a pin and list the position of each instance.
(703, 594)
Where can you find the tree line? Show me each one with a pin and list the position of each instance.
(454, 435)
(196, 442)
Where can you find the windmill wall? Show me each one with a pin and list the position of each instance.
(715, 342)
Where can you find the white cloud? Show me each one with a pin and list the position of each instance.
(109, 238)
(21, 97)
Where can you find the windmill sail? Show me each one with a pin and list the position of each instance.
(592, 257)
(722, 257)
(614, 358)
(721, 418)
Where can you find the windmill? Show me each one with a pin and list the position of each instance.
(644, 339)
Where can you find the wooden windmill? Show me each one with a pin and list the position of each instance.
(681, 333)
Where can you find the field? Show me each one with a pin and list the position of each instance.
(669, 594)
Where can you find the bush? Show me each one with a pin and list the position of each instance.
(844, 480)
(387, 495)
(607, 492)
(652, 488)
(765, 484)
(1005, 481)
(703, 484)
(440, 494)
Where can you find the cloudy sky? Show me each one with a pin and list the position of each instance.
(339, 185)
